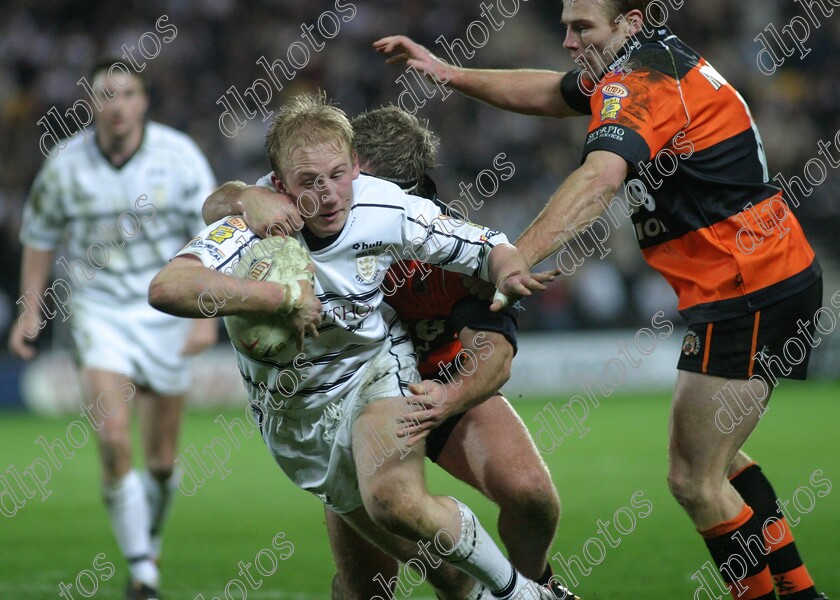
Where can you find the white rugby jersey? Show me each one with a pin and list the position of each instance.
(118, 225)
(384, 225)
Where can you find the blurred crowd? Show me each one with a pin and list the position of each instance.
(47, 46)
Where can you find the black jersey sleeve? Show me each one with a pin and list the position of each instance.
(475, 313)
(572, 93)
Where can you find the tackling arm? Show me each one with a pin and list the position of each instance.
(526, 91)
(480, 372)
(574, 205)
(224, 201)
(265, 211)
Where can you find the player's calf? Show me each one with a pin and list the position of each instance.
(529, 510)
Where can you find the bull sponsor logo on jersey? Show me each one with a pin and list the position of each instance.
(365, 246)
(613, 93)
(221, 233)
(236, 222)
(691, 343)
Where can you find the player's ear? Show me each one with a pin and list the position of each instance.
(278, 183)
(634, 19)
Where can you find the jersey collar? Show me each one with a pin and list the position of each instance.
(130, 156)
(642, 38)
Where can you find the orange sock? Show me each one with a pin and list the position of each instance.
(737, 546)
(789, 573)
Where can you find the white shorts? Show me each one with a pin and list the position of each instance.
(315, 448)
(135, 340)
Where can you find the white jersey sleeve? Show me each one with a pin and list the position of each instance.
(43, 213)
(220, 245)
(454, 244)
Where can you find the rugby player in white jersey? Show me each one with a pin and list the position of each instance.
(335, 434)
(120, 199)
(471, 430)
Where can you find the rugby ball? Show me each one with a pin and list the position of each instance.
(279, 260)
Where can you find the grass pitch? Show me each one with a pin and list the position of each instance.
(255, 517)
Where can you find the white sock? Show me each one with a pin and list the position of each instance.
(478, 556)
(128, 510)
(159, 497)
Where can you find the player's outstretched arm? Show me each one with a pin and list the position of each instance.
(526, 91)
(434, 401)
(265, 211)
(574, 205)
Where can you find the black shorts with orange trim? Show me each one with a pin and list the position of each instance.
(773, 342)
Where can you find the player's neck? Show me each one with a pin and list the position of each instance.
(119, 148)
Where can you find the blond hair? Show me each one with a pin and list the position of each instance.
(306, 121)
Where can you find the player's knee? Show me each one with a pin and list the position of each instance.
(114, 442)
(690, 491)
(530, 495)
(394, 509)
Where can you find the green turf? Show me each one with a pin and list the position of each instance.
(236, 519)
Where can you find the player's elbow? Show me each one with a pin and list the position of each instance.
(163, 292)
(606, 170)
(209, 210)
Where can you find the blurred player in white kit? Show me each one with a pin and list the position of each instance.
(121, 203)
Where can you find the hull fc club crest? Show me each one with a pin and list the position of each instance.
(366, 270)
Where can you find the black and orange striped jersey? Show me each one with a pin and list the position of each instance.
(434, 305)
(698, 187)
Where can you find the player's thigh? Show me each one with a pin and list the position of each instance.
(160, 421)
(491, 449)
(701, 444)
(389, 472)
(357, 560)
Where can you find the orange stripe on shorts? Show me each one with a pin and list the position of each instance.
(708, 347)
(754, 343)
